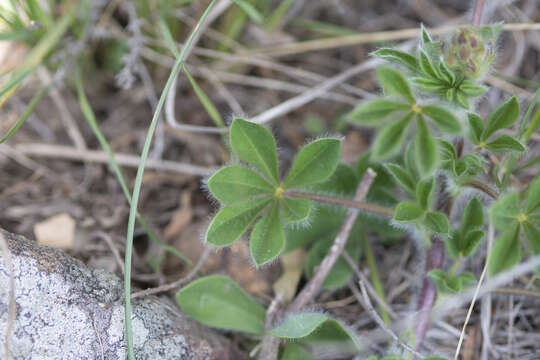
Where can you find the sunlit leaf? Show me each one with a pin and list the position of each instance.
(232, 221)
(425, 154)
(373, 112)
(407, 211)
(295, 210)
(506, 251)
(443, 119)
(314, 163)
(424, 192)
(390, 139)
(505, 143)
(254, 144)
(503, 117)
(398, 57)
(402, 176)
(394, 83)
(268, 237)
(237, 183)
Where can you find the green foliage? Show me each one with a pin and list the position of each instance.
(247, 195)
(447, 283)
(219, 302)
(294, 351)
(506, 251)
(464, 241)
(319, 329)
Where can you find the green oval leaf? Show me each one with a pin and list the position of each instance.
(294, 351)
(255, 145)
(268, 237)
(394, 83)
(437, 222)
(236, 183)
(373, 112)
(426, 65)
(425, 149)
(473, 216)
(505, 143)
(314, 163)
(472, 89)
(532, 233)
(471, 241)
(505, 211)
(532, 202)
(398, 57)
(295, 210)
(217, 301)
(503, 117)
(476, 128)
(443, 119)
(408, 211)
(232, 221)
(299, 325)
(506, 251)
(390, 139)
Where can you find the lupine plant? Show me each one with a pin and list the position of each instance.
(443, 174)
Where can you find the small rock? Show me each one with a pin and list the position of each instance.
(65, 310)
(57, 231)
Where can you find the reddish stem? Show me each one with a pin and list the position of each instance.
(477, 13)
(435, 260)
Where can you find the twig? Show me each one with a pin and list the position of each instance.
(270, 344)
(482, 187)
(364, 300)
(178, 283)
(11, 307)
(71, 153)
(110, 244)
(428, 294)
(370, 288)
(308, 292)
(351, 204)
(471, 307)
(517, 291)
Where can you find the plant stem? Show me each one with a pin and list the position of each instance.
(454, 267)
(336, 249)
(477, 13)
(351, 204)
(435, 260)
(375, 278)
(138, 179)
(482, 187)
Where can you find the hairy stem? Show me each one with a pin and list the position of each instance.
(308, 292)
(428, 294)
(351, 204)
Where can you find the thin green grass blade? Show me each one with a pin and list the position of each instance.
(138, 180)
(205, 100)
(277, 16)
(91, 119)
(27, 112)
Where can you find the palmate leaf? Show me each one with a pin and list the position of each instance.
(394, 83)
(391, 138)
(503, 117)
(233, 220)
(425, 149)
(505, 211)
(219, 302)
(314, 163)
(506, 251)
(255, 145)
(236, 183)
(374, 112)
(268, 237)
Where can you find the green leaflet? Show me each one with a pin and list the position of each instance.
(503, 117)
(314, 163)
(268, 237)
(403, 177)
(374, 112)
(451, 284)
(505, 211)
(437, 222)
(426, 65)
(506, 251)
(233, 220)
(424, 192)
(426, 154)
(532, 233)
(398, 57)
(408, 211)
(295, 210)
(294, 351)
(443, 119)
(255, 145)
(394, 83)
(505, 143)
(473, 215)
(391, 138)
(236, 183)
(299, 325)
(532, 202)
(219, 302)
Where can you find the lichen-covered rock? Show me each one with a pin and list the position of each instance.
(65, 310)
